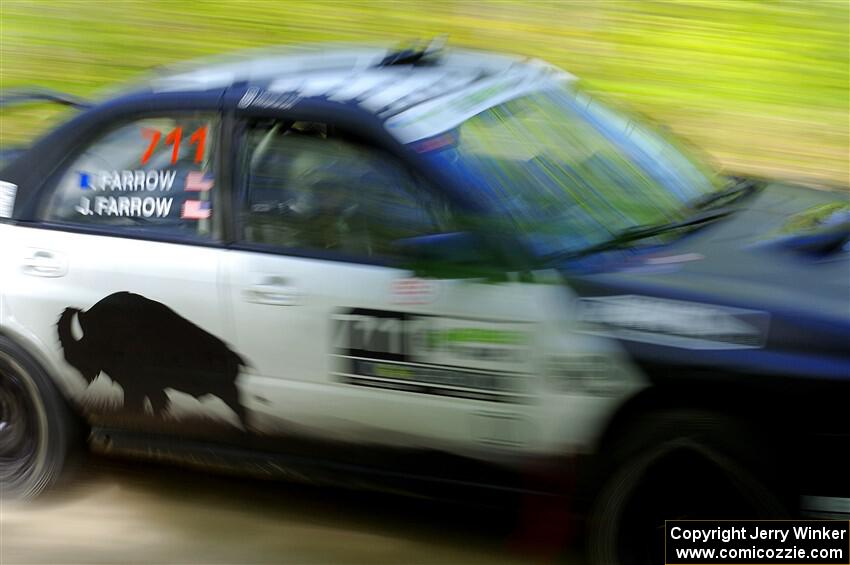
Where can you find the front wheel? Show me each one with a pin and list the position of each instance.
(36, 426)
(675, 466)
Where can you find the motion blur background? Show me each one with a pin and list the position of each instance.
(760, 85)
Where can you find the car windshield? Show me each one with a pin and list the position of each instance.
(570, 171)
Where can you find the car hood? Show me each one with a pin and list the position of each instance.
(773, 276)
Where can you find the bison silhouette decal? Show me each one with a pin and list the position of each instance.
(146, 347)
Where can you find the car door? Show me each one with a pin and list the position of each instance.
(117, 277)
(339, 341)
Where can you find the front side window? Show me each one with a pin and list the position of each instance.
(310, 187)
(151, 175)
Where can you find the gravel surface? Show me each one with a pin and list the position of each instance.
(128, 512)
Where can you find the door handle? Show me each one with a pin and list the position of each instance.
(44, 263)
(275, 291)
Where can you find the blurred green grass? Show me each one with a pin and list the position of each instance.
(761, 85)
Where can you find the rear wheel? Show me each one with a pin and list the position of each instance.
(678, 465)
(36, 426)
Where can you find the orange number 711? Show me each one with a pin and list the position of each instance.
(198, 139)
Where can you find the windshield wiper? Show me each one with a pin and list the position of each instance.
(637, 233)
(737, 187)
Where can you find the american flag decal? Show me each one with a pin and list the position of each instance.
(195, 210)
(199, 182)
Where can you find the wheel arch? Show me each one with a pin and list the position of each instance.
(752, 407)
(35, 350)
(756, 413)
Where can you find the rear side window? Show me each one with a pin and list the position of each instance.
(154, 174)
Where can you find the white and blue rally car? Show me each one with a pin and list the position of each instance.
(425, 270)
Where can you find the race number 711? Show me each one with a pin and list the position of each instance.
(173, 138)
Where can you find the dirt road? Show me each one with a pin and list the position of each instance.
(118, 512)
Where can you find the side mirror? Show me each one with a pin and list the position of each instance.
(455, 255)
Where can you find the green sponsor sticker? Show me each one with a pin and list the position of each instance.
(475, 335)
(388, 371)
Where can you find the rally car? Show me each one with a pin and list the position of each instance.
(422, 270)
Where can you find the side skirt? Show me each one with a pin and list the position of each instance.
(270, 465)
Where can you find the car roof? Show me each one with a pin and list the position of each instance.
(343, 72)
(385, 82)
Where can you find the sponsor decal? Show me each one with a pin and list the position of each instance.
(432, 354)
(413, 291)
(256, 98)
(674, 323)
(585, 373)
(8, 191)
(247, 98)
(432, 118)
(673, 259)
(146, 347)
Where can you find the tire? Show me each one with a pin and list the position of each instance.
(37, 427)
(678, 465)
